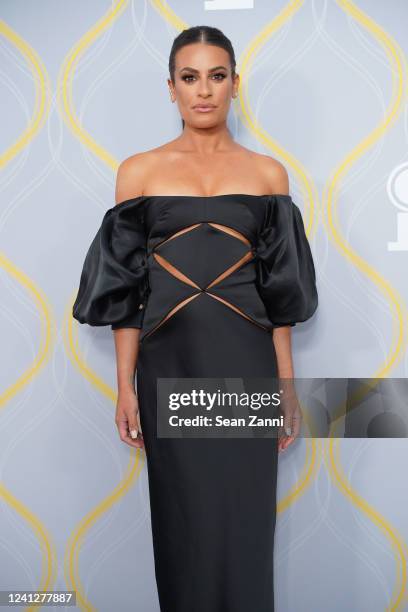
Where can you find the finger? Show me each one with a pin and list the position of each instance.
(139, 425)
(288, 424)
(282, 438)
(294, 433)
(124, 434)
(284, 443)
(289, 441)
(137, 442)
(122, 428)
(134, 426)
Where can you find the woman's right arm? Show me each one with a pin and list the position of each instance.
(129, 178)
(127, 409)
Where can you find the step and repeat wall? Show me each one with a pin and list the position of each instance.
(84, 86)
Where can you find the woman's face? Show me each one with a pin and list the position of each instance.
(203, 77)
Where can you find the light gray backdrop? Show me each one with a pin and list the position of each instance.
(83, 86)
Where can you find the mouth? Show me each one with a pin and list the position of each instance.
(204, 108)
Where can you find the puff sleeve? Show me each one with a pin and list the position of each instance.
(113, 285)
(285, 269)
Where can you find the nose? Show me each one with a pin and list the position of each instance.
(204, 88)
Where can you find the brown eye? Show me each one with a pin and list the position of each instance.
(186, 77)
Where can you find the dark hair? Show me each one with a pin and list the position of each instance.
(203, 34)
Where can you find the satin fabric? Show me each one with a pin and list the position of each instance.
(114, 279)
(213, 501)
(276, 288)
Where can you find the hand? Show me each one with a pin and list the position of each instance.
(128, 419)
(292, 421)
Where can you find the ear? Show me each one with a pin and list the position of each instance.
(171, 90)
(235, 86)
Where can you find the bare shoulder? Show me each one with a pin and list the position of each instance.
(131, 174)
(275, 173)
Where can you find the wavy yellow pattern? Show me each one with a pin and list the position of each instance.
(65, 99)
(47, 338)
(76, 539)
(399, 80)
(38, 117)
(67, 110)
(399, 548)
(260, 134)
(48, 549)
(47, 341)
(246, 62)
(168, 15)
(42, 93)
(398, 308)
(309, 470)
(398, 70)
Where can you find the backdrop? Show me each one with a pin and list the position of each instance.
(83, 86)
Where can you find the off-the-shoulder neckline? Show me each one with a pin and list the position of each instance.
(203, 197)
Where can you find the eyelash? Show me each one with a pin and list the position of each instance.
(188, 76)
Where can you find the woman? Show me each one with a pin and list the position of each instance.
(202, 286)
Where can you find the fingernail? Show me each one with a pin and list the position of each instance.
(288, 431)
(133, 433)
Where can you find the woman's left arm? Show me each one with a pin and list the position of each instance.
(290, 262)
(278, 179)
(282, 340)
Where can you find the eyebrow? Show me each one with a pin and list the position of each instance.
(197, 71)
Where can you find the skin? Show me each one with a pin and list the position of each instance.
(203, 160)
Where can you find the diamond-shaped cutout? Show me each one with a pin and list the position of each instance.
(203, 253)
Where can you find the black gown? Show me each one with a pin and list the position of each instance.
(206, 279)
